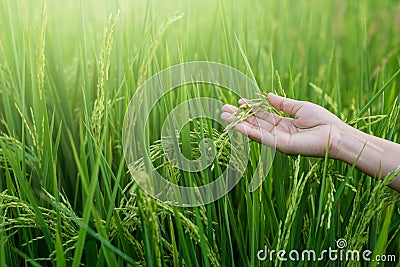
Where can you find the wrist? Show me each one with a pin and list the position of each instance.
(352, 143)
(349, 143)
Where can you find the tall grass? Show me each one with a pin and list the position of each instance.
(67, 73)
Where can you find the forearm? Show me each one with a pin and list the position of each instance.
(376, 154)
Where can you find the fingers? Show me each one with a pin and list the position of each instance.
(270, 118)
(228, 117)
(258, 134)
(259, 123)
(267, 116)
(259, 127)
(258, 113)
(230, 109)
(262, 119)
(229, 113)
(287, 105)
(242, 101)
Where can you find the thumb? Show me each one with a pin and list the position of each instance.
(287, 105)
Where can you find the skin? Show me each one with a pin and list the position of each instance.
(312, 130)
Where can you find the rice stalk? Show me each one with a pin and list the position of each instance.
(103, 75)
(41, 52)
(150, 53)
(18, 214)
(356, 231)
(299, 183)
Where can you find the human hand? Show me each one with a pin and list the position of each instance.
(308, 134)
